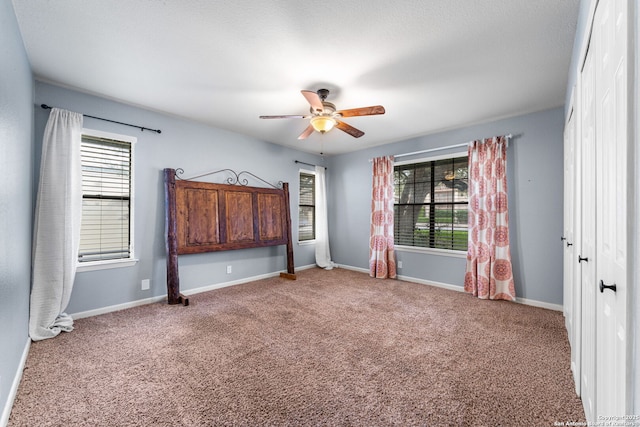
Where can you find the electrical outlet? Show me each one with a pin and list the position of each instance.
(146, 284)
(228, 269)
(399, 264)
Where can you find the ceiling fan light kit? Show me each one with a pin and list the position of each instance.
(323, 124)
(325, 117)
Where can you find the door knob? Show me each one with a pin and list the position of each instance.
(563, 238)
(580, 259)
(603, 286)
(569, 244)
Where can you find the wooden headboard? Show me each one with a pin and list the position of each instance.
(207, 217)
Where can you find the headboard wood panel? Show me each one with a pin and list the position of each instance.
(209, 217)
(220, 217)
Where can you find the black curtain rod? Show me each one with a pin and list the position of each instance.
(308, 164)
(142, 128)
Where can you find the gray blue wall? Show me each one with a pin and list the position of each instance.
(16, 163)
(535, 181)
(196, 148)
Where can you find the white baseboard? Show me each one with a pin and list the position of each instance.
(109, 309)
(541, 304)
(411, 279)
(349, 267)
(123, 306)
(240, 281)
(6, 412)
(117, 307)
(524, 301)
(432, 283)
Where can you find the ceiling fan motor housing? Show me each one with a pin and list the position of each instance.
(323, 93)
(328, 109)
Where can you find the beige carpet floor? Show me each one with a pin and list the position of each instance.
(333, 348)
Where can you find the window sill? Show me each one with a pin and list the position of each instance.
(431, 251)
(306, 242)
(104, 265)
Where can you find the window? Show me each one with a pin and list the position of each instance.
(105, 234)
(307, 207)
(431, 203)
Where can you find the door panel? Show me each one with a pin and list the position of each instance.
(609, 34)
(570, 280)
(588, 235)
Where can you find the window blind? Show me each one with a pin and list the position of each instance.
(431, 204)
(307, 209)
(106, 192)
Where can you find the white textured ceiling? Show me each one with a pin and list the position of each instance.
(434, 65)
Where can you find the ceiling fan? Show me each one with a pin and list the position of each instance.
(325, 117)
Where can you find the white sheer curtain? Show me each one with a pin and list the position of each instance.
(323, 255)
(57, 225)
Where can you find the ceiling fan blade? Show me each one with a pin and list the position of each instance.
(364, 111)
(308, 131)
(314, 100)
(285, 117)
(356, 133)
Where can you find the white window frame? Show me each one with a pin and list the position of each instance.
(311, 241)
(423, 250)
(132, 260)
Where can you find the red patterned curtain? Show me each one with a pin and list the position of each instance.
(382, 262)
(489, 274)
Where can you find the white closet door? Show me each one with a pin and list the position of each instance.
(610, 37)
(587, 249)
(571, 284)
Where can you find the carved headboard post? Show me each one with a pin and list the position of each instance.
(173, 277)
(290, 274)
